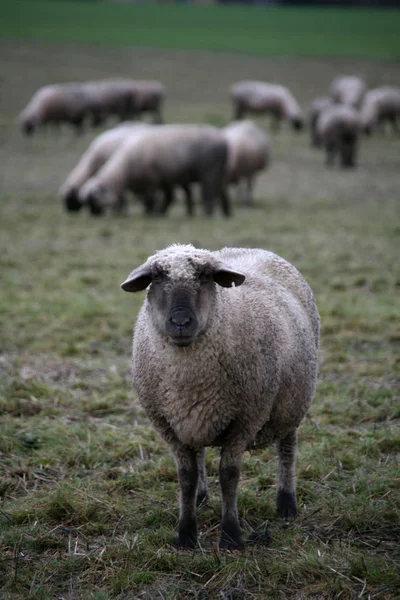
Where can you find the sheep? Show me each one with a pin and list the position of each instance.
(317, 106)
(233, 368)
(380, 105)
(260, 97)
(168, 156)
(95, 157)
(249, 153)
(124, 98)
(56, 103)
(348, 89)
(337, 130)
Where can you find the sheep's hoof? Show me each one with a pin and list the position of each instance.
(187, 535)
(231, 537)
(286, 504)
(228, 544)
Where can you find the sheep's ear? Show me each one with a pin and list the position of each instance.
(138, 280)
(226, 277)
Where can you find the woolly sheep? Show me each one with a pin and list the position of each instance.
(260, 97)
(380, 105)
(168, 156)
(348, 89)
(124, 98)
(234, 368)
(337, 130)
(317, 106)
(57, 103)
(95, 157)
(248, 153)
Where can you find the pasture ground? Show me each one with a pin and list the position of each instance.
(88, 491)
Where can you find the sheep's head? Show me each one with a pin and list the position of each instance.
(97, 196)
(297, 123)
(182, 290)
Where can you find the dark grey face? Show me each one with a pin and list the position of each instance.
(181, 306)
(181, 297)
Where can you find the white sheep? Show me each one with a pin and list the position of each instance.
(338, 130)
(167, 156)
(98, 153)
(258, 97)
(233, 367)
(249, 153)
(317, 106)
(381, 105)
(348, 89)
(125, 98)
(57, 103)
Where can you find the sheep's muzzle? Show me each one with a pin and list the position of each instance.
(181, 326)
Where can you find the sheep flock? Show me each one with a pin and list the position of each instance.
(152, 161)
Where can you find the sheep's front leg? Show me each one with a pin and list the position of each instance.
(286, 496)
(229, 474)
(188, 474)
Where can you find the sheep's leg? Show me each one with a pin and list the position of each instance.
(249, 194)
(157, 118)
(229, 474)
(225, 201)
(189, 200)
(330, 155)
(238, 112)
(286, 496)
(168, 199)
(188, 474)
(202, 487)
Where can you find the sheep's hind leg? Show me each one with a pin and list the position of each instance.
(286, 496)
(229, 474)
(188, 474)
(202, 487)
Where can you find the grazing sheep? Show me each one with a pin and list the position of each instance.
(57, 103)
(381, 105)
(167, 156)
(337, 130)
(317, 106)
(234, 368)
(95, 157)
(249, 153)
(124, 98)
(348, 90)
(259, 97)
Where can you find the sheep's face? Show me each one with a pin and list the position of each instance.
(182, 292)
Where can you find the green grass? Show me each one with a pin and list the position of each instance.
(88, 491)
(258, 31)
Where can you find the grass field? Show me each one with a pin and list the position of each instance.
(260, 30)
(88, 506)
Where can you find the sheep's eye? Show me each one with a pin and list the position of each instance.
(205, 277)
(157, 278)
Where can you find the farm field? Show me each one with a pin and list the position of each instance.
(88, 492)
(306, 31)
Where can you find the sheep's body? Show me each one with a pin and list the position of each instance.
(249, 153)
(317, 106)
(167, 156)
(337, 130)
(98, 153)
(259, 97)
(124, 98)
(348, 89)
(246, 373)
(57, 103)
(381, 105)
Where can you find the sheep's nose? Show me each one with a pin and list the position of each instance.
(180, 320)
